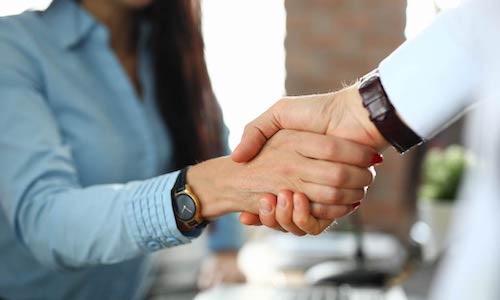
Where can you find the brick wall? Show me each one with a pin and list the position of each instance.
(331, 42)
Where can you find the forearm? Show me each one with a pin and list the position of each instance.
(434, 77)
(217, 184)
(67, 226)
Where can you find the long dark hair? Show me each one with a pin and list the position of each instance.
(183, 89)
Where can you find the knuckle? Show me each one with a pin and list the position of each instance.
(330, 148)
(279, 104)
(321, 212)
(248, 127)
(333, 195)
(340, 176)
(302, 222)
(336, 195)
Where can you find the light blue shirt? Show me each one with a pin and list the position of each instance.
(83, 199)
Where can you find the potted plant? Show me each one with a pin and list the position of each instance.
(442, 174)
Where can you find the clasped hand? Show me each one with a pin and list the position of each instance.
(310, 179)
(332, 191)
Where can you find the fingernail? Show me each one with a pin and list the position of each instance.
(356, 205)
(281, 200)
(377, 159)
(265, 207)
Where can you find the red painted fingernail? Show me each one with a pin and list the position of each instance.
(356, 205)
(377, 159)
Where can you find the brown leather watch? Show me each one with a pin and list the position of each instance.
(384, 116)
(187, 207)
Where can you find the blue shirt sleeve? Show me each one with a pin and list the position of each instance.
(62, 223)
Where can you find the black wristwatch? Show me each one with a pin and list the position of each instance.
(187, 207)
(384, 116)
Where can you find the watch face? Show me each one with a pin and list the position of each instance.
(185, 207)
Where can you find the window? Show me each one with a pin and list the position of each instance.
(246, 57)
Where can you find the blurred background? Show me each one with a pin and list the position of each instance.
(260, 50)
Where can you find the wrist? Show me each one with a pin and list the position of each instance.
(213, 188)
(383, 114)
(353, 103)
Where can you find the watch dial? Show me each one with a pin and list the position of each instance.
(185, 207)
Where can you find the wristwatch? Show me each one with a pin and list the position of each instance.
(187, 207)
(383, 114)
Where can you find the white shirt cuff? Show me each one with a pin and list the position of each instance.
(430, 79)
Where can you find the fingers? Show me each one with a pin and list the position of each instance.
(295, 213)
(255, 135)
(284, 213)
(336, 175)
(307, 113)
(267, 210)
(249, 219)
(303, 219)
(332, 196)
(330, 212)
(336, 149)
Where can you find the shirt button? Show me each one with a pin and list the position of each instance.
(173, 241)
(153, 245)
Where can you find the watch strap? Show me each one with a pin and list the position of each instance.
(384, 116)
(180, 185)
(180, 182)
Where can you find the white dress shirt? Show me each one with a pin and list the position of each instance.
(431, 80)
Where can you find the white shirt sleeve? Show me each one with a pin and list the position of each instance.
(434, 77)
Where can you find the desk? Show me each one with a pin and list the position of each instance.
(255, 292)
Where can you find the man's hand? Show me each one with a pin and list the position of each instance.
(340, 114)
(327, 169)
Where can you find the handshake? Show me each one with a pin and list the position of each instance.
(300, 165)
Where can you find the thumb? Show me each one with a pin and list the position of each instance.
(306, 113)
(255, 135)
(247, 218)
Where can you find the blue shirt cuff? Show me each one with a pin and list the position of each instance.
(150, 214)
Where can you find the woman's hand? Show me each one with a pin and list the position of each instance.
(340, 114)
(293, 212)
(326, 169)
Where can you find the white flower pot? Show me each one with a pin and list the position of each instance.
(437, 215)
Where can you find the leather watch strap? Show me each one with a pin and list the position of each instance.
(384, 116)
(180, 182)
(194, 227)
